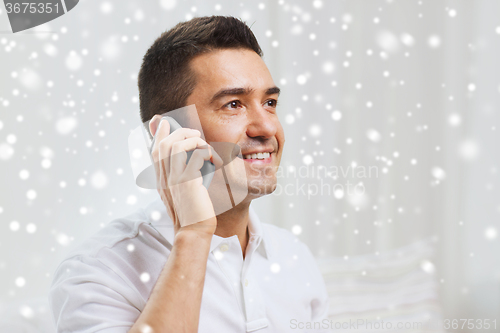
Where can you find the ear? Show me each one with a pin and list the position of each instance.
(153, 124)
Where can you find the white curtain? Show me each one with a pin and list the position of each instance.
(415, 86)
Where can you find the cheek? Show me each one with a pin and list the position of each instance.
(224, 131)
(280, 135)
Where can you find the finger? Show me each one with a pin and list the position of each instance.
(161, 130)
(178, 155)
(216, 159)
(153, 124)
(163, 133)
(163, 146)
(195, 163)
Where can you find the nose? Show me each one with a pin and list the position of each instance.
(261, 123)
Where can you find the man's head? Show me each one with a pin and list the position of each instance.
(166, 79)
(215, 63)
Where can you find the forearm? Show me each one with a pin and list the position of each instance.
(174, 304)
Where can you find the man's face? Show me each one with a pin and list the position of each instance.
(235, 97)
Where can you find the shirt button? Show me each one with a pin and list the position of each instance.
(224, 247)
(246, 282)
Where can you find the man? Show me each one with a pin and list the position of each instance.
(155, 270)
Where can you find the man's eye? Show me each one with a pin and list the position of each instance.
(272, 103)
(233, 104)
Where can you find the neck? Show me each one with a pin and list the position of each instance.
(235, 222)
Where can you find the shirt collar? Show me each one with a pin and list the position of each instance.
(157, 216)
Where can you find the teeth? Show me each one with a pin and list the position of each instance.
(260, 156)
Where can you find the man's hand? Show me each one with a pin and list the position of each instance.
(175, 301)
(181, 186)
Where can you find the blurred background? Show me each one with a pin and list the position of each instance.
(389, 174)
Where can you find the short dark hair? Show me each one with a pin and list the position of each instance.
(165, 80)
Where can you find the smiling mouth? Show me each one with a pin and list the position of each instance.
(257, 156)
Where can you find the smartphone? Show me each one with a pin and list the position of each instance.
(208, 168)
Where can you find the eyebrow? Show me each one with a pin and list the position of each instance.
(242, 91)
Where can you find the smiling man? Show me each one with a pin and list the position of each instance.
(154, 272)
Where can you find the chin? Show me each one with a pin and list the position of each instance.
(258, 188)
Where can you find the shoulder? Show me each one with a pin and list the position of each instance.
(119, 235)
(115, 255)
(96, 286)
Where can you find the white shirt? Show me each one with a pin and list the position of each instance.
(104, 284)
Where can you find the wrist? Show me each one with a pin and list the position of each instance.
(186, 237)
(204, 229)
